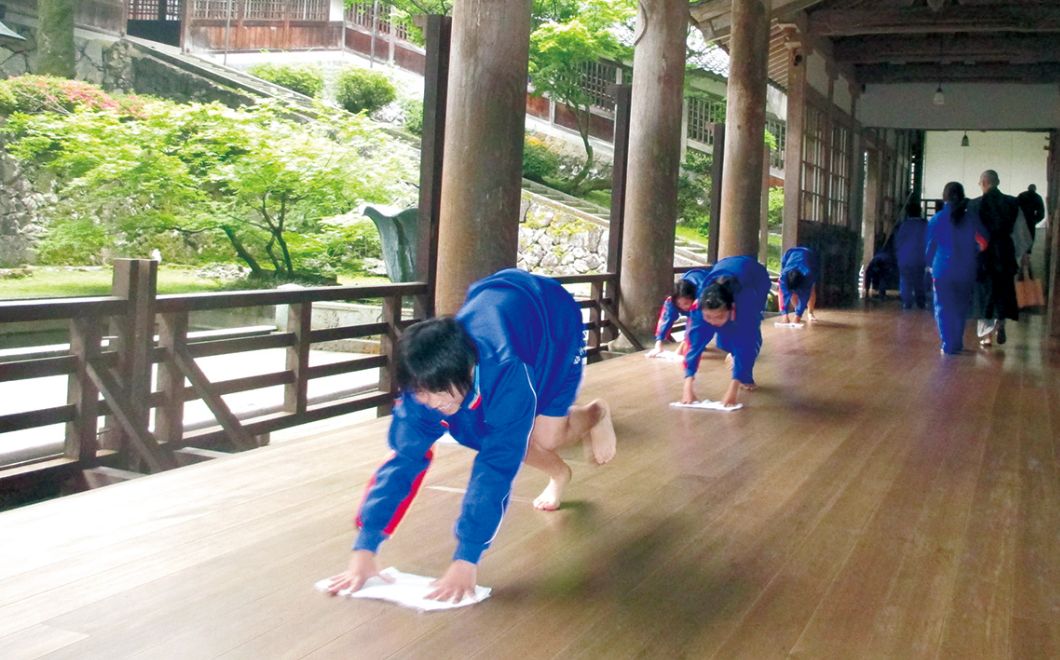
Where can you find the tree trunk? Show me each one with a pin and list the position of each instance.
(584, 117)
(55, 38)
(255, 267)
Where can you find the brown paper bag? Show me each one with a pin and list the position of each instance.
(1028, 290)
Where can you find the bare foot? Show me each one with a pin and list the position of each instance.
(602, 440)
(549, 498)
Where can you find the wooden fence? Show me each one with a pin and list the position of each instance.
(115, 376)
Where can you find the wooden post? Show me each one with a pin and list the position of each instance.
(484, 130)
(169, 417)
(616, 227)
(654, 163)
(437, 30)
(387, 344)
(796, 128)
(744, 128)
(763, 230)
(136, 280)
(872, 206)
(596, 295)
(717, 175)
(299, 322)
(81, 443)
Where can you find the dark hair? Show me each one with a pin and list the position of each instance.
(913, 210)
(794, 278)
(684, 289)
(719, 293)
(435, 355)
(953, 193)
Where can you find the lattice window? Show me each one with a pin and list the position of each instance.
(264, 10)
(144, 10)
(702, 112)
(362, 14)
(813, 173)
(839, 187)
(779, 129)
(596, 78)
(212, 9)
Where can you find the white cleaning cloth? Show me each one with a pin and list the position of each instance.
(667, 356)
(407, 590)
(707, 405)
(778, 324)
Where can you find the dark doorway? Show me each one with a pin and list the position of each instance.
(157, 20)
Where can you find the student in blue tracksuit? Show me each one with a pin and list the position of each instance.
(686, 292)
(501, 376)
(955, 237)
(798, 279)
(909, 250)
(731, 308)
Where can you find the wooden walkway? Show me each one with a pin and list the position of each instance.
(873, 500)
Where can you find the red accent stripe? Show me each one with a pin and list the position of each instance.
(403, 507)
(658, 321)
(477, 402)
(981, 240)
(444, 423)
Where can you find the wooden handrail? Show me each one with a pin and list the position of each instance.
(60, 308)
(193, 302)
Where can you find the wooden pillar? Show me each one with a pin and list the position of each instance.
(717, 175)
(796, 127)
(855, 177)
(654, 160)
(136, 280)
(1052, 205)
(437, 30)
(623, 95)
(745, 121)
(763, 229)
(484, 126)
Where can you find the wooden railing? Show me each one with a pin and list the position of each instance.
(114, 376)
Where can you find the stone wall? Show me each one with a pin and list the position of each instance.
(20, 223)
(553, 241)
(101, 60)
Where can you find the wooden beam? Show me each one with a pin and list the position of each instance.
(714, 17)
(141, 441)
(233, 429)
(912, 20)
(1011, 48)
(902, 73)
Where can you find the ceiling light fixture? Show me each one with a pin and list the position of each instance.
(939, 98)
(964, 140)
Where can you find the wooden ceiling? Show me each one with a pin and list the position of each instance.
(888, 41)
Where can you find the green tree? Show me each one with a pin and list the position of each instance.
(55, 37)
(249, 175)
(561, 51)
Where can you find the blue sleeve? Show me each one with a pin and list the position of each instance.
(697, 337)
(667, 317)
(744, 346)
(787, 257)
(510, 404)
(804, 300)
(785, 295)
(413, 430)
(930, 245)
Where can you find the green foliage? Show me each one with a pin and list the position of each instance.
(771, 141)
(360, 90)
(186, 177)
(776, 207)
(693, 191)
(33, 94)
(306, 80)
(413, 109)
(538, 160)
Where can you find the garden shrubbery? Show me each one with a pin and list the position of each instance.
(203, 182)
(306, 80)
(360, 90)
(33, 94)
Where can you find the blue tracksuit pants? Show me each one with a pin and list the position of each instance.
(912, 286)
(952, 303)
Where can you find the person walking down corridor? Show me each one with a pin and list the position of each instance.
(955, 237)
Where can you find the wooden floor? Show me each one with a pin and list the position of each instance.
(874, 500)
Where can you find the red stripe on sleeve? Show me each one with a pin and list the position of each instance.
(403, 507)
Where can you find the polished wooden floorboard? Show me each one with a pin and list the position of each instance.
(874, 499)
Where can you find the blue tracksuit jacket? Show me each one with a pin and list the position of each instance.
(909, 244)
(670, 312)
(741, 335)
(528, 334)
(804, 260)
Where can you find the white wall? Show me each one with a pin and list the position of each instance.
(1018, 158)
(969, 106)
